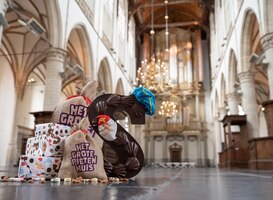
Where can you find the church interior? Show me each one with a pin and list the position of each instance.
(209, 64)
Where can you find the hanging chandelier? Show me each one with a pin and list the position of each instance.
(153, 74)
(168, 109)
(168, 73)
(173, 112)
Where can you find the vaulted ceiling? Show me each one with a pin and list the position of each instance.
(26, 49)
(187, 14)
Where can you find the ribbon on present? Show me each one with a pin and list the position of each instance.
(87, 100)
(49, 139)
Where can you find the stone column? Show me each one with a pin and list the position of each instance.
(13, 151)
(199, 65)
(191, 74)
(199, 154)
(53, 84)
(206, 161)
(267, 44)
(186, 150)
(233, 102)
(173, 68)
(222, 113)
(165, 156)
(197, 103)
(249, 102)
(152, 156)
(218, 134)
(3, 8)
(146, 151)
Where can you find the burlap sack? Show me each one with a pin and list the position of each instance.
(82, 157)
(85, 125)
(71, 111)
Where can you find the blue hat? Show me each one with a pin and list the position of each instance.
(146, 98)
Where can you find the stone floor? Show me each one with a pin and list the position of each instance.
(153, 183)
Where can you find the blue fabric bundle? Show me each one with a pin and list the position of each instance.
(146, 98)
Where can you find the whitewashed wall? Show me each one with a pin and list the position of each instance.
(7, 108)
(226, 35)
(71, 16)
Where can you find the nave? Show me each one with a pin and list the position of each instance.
(154, 183)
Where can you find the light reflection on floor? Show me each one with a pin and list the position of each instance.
(153, 183)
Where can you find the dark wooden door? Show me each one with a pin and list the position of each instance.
(175, 152)
(176, 156)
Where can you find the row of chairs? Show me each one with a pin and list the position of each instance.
(174, 164)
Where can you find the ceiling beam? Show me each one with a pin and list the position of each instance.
(170, 25)
(175, 24)
(137, 6)
(170, 3)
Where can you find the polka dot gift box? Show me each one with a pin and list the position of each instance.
(44, 152)
(35, 166)
(34, 145)
(49, 140)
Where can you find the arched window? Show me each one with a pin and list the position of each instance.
(109, 5)
(121, 19)
(108, 21)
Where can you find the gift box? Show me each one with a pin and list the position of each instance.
(52, 128)
(49, 140)
(36, 145)
(37, 166)
(53, 145)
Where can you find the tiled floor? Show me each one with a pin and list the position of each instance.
(154, 183)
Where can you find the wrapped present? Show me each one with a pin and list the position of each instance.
(37, 166)
(36, 145)
(52, 128)
(49, 140)
(53, 145)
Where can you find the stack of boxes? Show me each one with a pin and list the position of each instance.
(44, 151)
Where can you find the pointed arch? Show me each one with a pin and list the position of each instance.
(54, 18)
(232, 74)
(79, 48)
(119, 87)
(250, 26)
(251, 44)
(216, 104)
(104, 76)
(79, 55)
(268, 16)
(222, 91)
